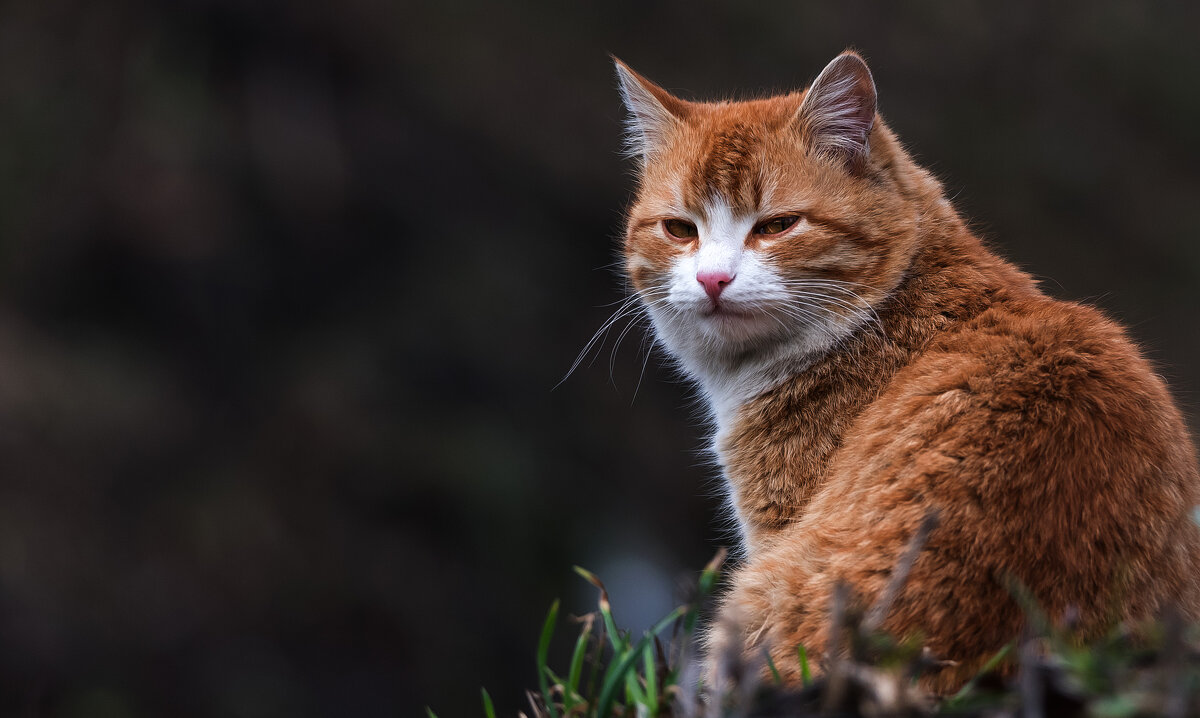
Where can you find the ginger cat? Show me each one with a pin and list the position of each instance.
(868, 360)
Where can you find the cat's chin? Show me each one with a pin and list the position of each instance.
(731, 324)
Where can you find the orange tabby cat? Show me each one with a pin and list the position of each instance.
(867, 361)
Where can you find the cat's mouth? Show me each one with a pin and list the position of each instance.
(725, 312)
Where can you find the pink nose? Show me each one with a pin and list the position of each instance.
(714, 282)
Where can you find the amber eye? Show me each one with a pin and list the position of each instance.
(776, 225)
(679, 229)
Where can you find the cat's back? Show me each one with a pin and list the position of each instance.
(1053, 455)
(1051, 383)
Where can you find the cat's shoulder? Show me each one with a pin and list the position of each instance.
(1038, 357)
(1018, 383)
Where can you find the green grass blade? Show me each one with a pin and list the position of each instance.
(634, 695)
(489, 710)
(708, 580)
(429, 712)
(575, 673)
(594, 673)
(651, 678)
(805, 673)
(774, 671)
(554, 677)
(711, 572)
(543, 651)
(618, 641)
(670, 618)
(610, 626)
(633, 690)
(615, 677)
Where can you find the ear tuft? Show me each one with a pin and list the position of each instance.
(838, 112)
(653, 113)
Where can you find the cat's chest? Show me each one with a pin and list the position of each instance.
(776, 448)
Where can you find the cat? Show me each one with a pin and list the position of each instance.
(868, 362)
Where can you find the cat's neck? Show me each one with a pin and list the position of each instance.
(728, 380)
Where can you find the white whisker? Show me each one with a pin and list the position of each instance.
(632, 306)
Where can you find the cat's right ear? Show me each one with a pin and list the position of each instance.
(654, 113)
(838, 111)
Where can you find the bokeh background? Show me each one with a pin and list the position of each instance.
(286, 290)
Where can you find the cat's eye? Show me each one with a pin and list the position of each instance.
(680, 229)
(776, 224)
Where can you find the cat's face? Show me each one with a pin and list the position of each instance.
(764, 220)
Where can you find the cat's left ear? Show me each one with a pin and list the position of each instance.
(838, 112)
(654, 113)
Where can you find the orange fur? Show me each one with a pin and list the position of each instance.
(1049, 448)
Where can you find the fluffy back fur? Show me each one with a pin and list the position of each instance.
(868, 361)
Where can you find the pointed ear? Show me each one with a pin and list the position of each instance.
(654, 113)
(838, 112)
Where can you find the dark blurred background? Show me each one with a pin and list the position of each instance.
(286, 288)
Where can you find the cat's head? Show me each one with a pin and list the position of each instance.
(773, 220)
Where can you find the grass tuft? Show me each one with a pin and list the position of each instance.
(627, 678)
(1143, 671)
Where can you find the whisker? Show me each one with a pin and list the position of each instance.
(612, 357)
(647, 335)
(633, 305)
(809, 318)
(626, 306)
(864, 314)
(831, 284)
